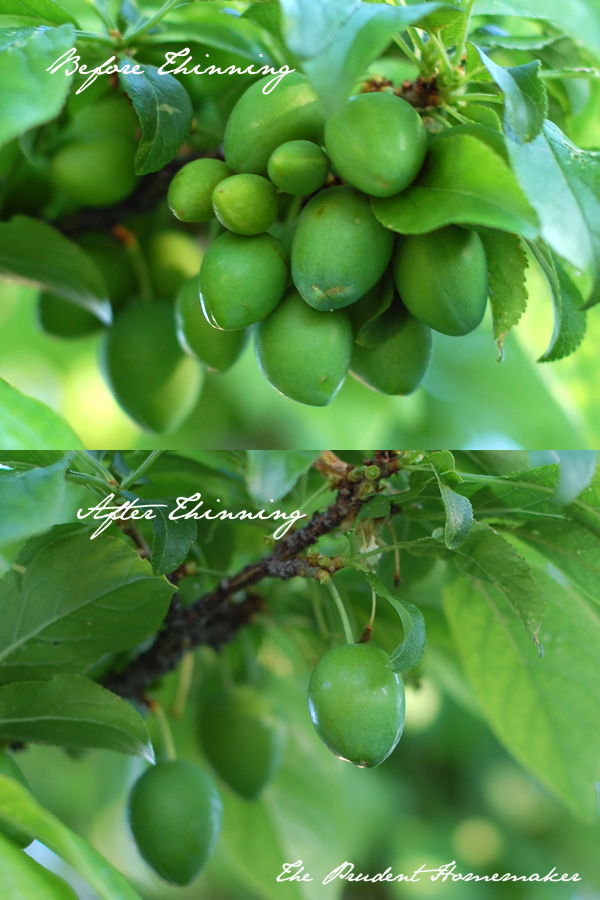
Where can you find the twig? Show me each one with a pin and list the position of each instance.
(214, 619)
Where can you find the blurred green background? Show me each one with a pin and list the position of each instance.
(468, 400)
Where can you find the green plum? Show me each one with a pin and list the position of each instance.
(97, 171)
(151, 377)
(303, 353)
(113, 262)
(217, 350)
(259, 123)
(190, 191)
(340, 250)
(356, 704)
(377, 143)
(442, 278)
(397, 365)
(9, 767)
(243, 739)
(175, 814)
(113, 114)
(298, 168)
(64, 319)
(172, 258)
(242, 280)
(246, 204)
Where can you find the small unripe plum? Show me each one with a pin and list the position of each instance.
(172, 258)
(377, 143)
(242, 280)
(242, 738)
(259, 123)
(356, 704)
(151, 377)
(98, 171)
(190, 191)
(218, 350)
(298, 168)
(442, 278)
(304, 354)
(246, 204)
(175, 814)
(397, 365)
(340, 250)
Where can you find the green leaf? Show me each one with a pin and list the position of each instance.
(78, 600)
(374, 324)
(271, 474)
(71, 711)
(437, 21)
(34, 251)
(507, 264)
(39, 542)
(30, 458)
(546, 711)
(459, 516)
(40, 10)
(525, 98)
(577, 469)
(30, 95)
(19, 809)
(569, 318)
(214, 28)
(172, 539)
(487, 556)
(377, 508)
(578, 18)
(463, 181)
(309, 26)
(562, 183)
(165, 113)
(30, 500)
(409, 653)
(26, 422)
(22, 878)
(362, 39)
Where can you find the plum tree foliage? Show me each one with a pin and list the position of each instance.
(210, 654)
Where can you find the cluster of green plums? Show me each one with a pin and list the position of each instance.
(309, 284)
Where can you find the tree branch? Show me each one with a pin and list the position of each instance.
(215, 618)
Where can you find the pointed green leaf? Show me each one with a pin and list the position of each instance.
(71, 711)
(78, 600)
(20, 459)
(40, 10)
(546, 711)
(271, 474)
(309, 26)
(463, 181)
(26, 422)
(507, 264)
(33, 251)
(487, 556)
(377, 508)
(30, 95)
(409, 653)
(459, 516)
(22, 878)
(525, 98)
(569, 318)
(29, 500)
(165, 113)
(19, 809)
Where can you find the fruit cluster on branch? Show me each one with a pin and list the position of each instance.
(214, 619)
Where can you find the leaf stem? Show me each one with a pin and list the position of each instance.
(342, 611)
(407, 51)
(444, 59)
(591, 74)
(460, 47)
(186, 674)
(138, 262)
(483, 98)
(165, 730)
(133, 476)
(137, 33)
(90, 460)
(95, 38)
